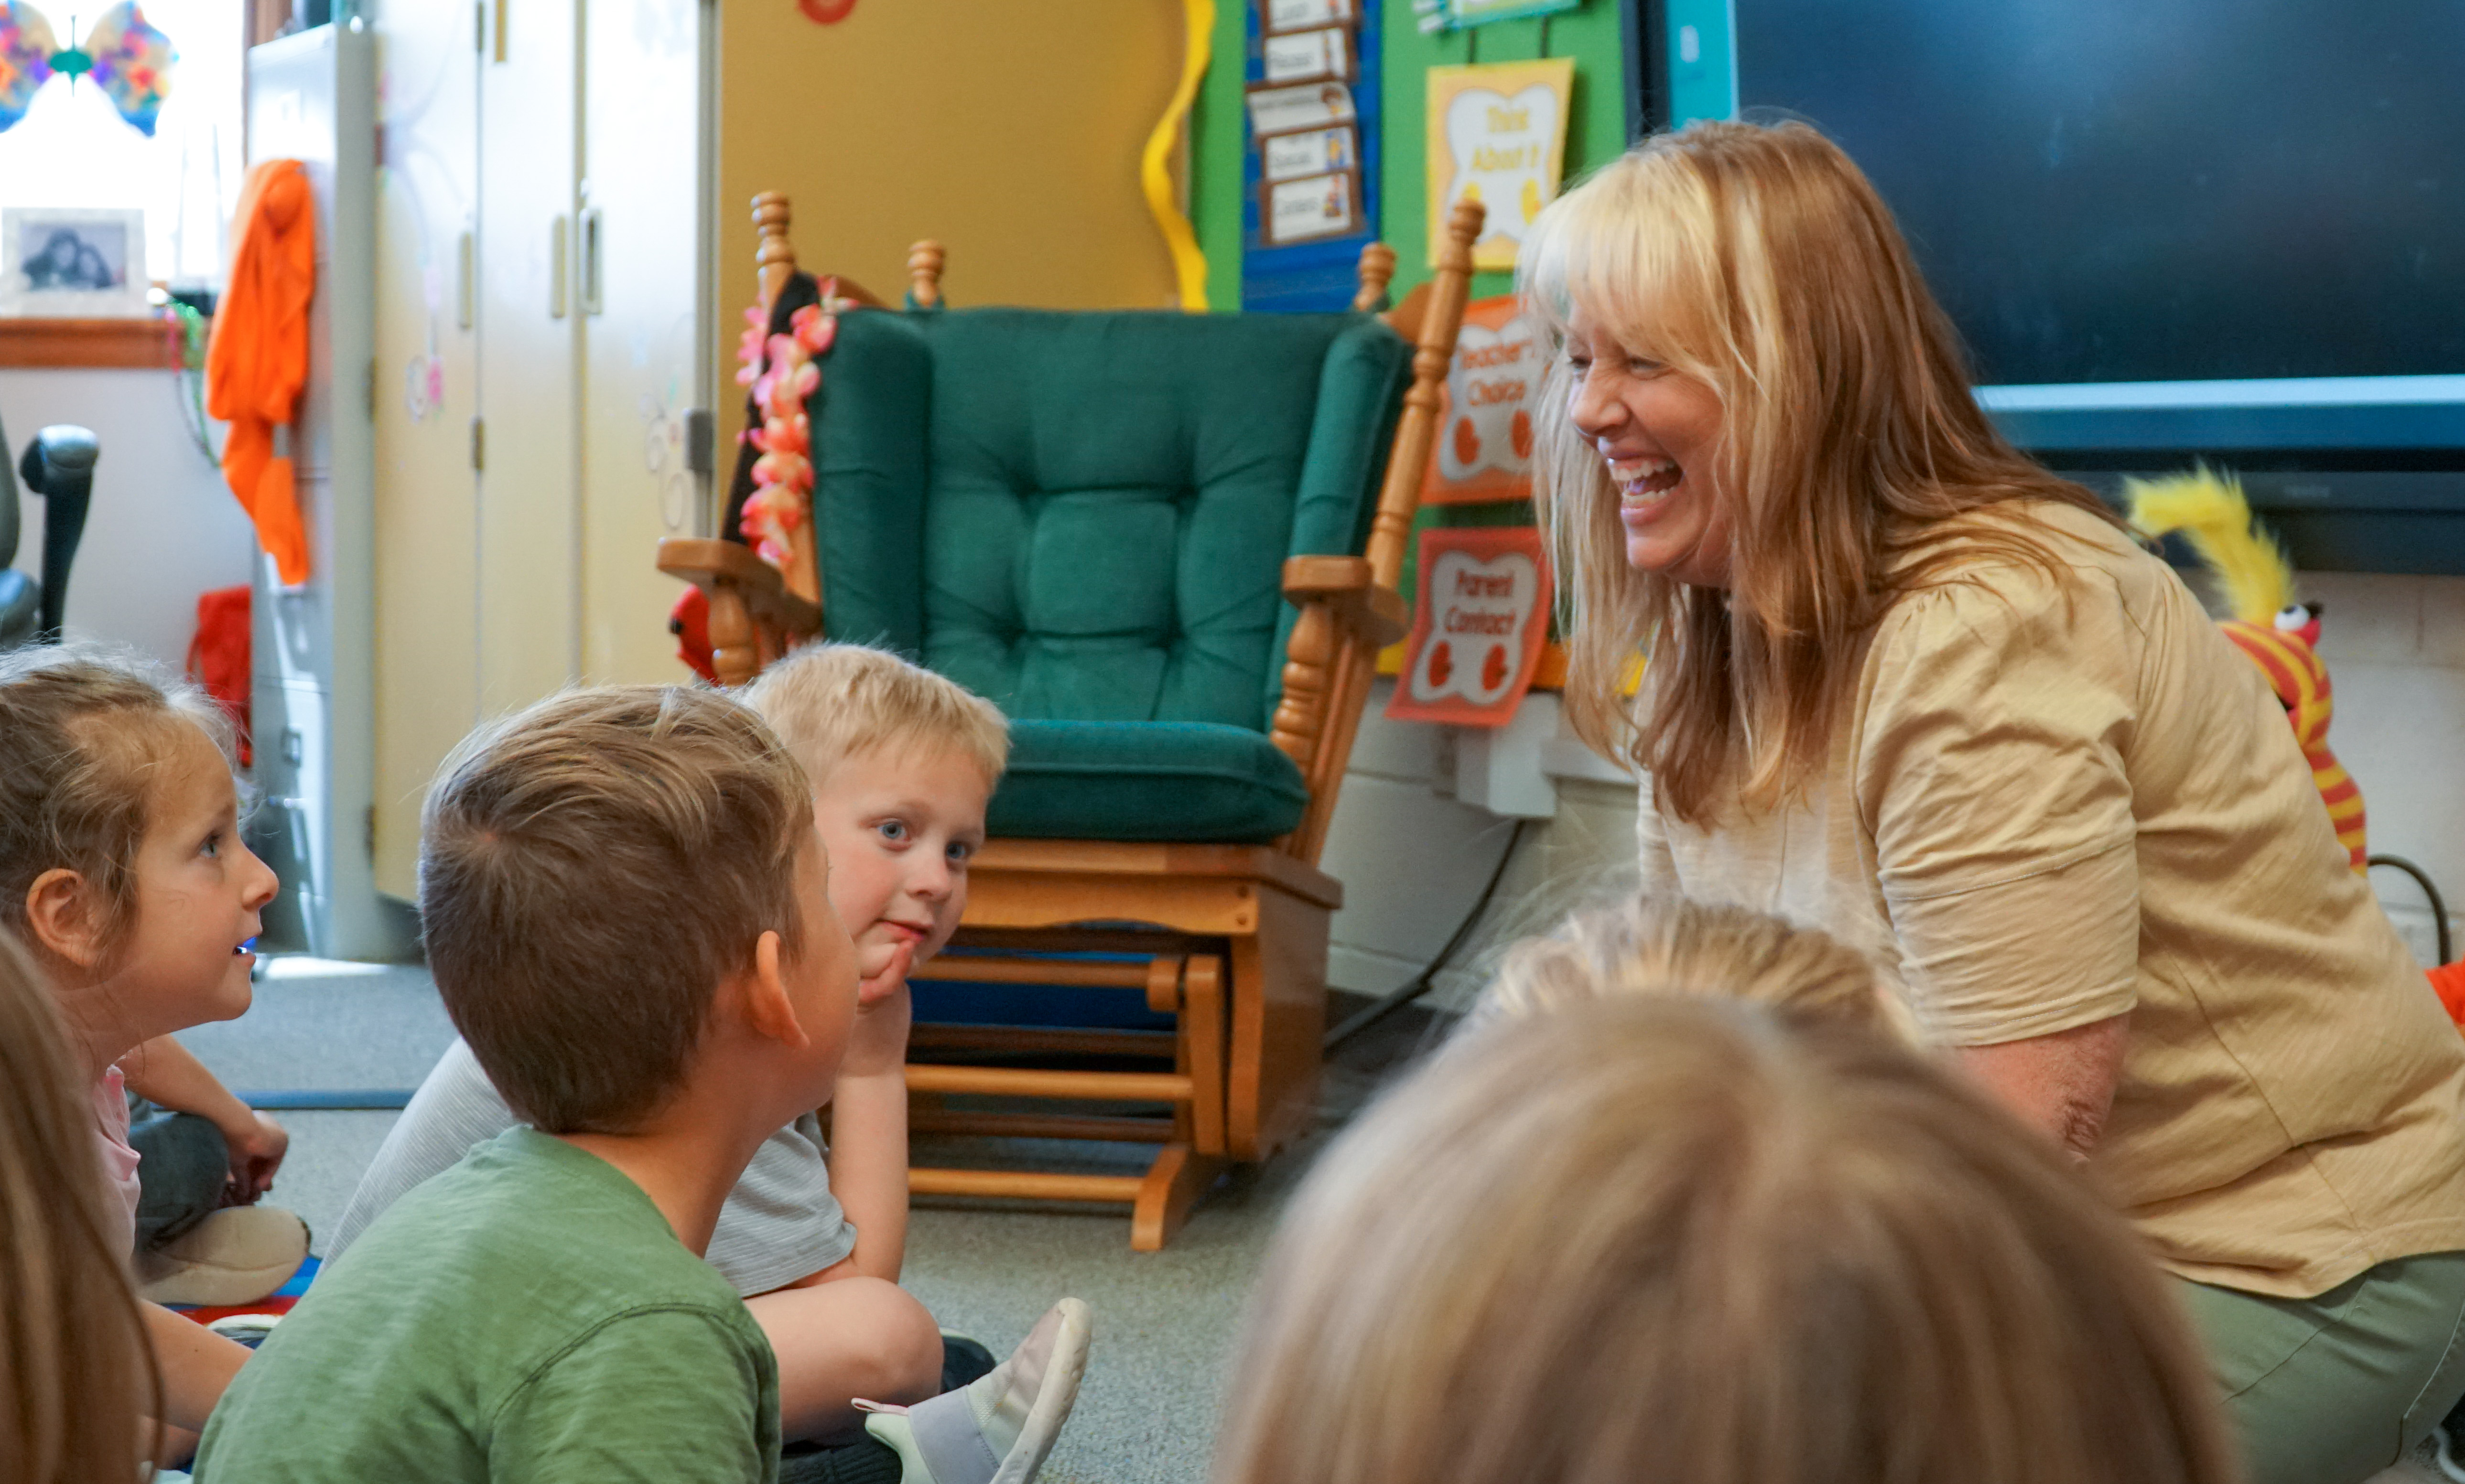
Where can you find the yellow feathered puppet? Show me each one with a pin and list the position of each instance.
(2280, 634)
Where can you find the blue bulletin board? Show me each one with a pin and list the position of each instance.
(1318, 275)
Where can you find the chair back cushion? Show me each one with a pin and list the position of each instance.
(1084, 516)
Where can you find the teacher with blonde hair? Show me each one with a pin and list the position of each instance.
(1903, 684)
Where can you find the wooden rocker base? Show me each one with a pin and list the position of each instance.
(1160, 1201)
(1181, 1110)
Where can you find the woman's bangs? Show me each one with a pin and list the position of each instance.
(1619, 252)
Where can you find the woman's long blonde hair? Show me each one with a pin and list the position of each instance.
(1759, 263)
(1687, 1241)
(76, 1373)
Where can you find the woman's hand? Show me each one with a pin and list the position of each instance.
(2062, 1083)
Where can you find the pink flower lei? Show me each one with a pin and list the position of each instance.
(781, 372)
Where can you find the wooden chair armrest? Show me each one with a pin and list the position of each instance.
(701, 562)
(1345, 585)
(707, 563)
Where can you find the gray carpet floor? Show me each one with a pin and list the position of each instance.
(1166, 1322)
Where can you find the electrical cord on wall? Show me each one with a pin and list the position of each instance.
(2438, 903)
(192, 378)
(1427, 979)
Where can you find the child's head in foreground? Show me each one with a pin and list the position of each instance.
(75, 1374)
(121, 867)
(901, 762)
(606, 881)
(1694, 1241)
(1670, 945)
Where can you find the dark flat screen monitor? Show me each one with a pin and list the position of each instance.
(2153, 191)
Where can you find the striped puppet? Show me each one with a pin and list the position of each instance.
(2281, 635)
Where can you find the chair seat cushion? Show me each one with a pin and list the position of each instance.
(1197, 782)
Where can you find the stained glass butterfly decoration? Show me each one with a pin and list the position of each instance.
(124, 57)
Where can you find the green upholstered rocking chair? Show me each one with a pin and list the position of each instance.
(1167, 545)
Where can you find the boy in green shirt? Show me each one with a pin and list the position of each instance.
(627, 911)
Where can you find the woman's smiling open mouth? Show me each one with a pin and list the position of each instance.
(1642, 481)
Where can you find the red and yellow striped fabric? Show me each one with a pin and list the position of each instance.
(2293, 671)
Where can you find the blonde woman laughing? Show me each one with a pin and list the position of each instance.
(1903, 684)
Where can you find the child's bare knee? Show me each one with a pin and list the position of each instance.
(898, 1342)
(917, 1341)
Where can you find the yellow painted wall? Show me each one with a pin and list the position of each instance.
(1010, 131)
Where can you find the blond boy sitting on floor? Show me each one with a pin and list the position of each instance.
(901, 762)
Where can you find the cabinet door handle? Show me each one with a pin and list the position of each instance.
(593, 243)
(558, 256)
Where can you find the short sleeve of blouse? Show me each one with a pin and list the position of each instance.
(1989, 759)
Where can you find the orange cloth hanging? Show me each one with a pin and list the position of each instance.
(258, 362)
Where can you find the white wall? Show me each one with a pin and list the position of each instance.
(2395, 648)
(1412, 859)
(163, 527)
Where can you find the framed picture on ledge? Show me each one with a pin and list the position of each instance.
(72, 262)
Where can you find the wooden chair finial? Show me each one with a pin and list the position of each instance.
(924, 274)
(774, 258)
(1377, 271)
(1449, 286)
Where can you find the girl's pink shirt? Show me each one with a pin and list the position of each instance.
(119, 1160)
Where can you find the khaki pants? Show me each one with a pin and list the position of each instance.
(2332, 1389)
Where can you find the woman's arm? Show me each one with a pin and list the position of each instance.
(2062, 1083)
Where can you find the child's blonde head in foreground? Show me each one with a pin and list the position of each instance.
(1681, 1240)
(1668, 946)
(75, 1374)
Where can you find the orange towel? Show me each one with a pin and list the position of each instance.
(259, 358)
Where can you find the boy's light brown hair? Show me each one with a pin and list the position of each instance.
(1684, 1241)
(1667, 945)
(591, 870)
(836, 702)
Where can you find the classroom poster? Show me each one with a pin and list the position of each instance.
(1497, 135)
(1483, 450)
(1481, 616)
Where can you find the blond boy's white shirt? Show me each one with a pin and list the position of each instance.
(2050, 807)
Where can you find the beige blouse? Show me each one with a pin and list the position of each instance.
(2043, 810)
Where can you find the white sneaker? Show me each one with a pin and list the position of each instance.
(998, 1429)
(248, 1329)
(2424, 1463)
(235, 1255)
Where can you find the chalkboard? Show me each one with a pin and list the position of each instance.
(2127, 191)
